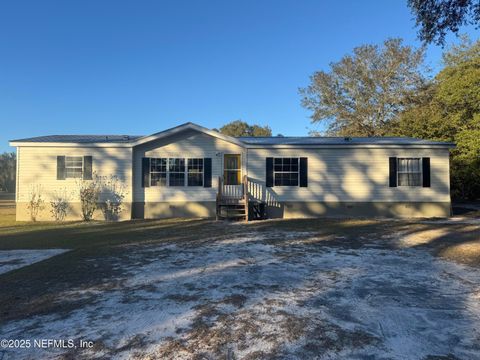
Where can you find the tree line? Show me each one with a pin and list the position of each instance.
(386, 90)
(8, 162)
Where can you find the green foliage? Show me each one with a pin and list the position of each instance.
(364, 92)
(437, 17)
(466, 165)
(241, 128)
(8, 164)
(382, 91)
(449, 110)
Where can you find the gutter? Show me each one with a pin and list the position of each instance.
(347, 146)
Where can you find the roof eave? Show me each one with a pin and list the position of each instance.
(329, 146)
(15, 143)
(248, 146)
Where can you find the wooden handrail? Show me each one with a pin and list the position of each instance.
(245, 195)
(219, 196)
(220, 186)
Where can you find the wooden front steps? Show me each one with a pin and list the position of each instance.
(236, 203)
(232, 205)
(231, 211)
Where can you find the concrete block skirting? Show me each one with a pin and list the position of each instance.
(291, 210)
(286, 210)
(158, 210)
(358, 209)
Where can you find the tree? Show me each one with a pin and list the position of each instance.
(241, 128)
(436, 17)
(449, 110)
(8, 164)
(364, 92)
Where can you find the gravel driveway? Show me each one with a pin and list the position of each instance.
(282, 294)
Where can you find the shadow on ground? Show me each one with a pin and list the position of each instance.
(292, 288)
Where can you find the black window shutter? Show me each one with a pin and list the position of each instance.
(145, 172)
(60, 167)
(393, 172)
(303, 172)
(207, 172)
(269, 172)
(426, 171)
(87, 168)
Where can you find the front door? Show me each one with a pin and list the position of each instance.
(232, 176)
(232, 169)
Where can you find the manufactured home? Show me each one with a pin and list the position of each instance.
(192, 171)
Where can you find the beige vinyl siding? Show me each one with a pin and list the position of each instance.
(189, 144)
(335, 175)
(353, 175)
(37, 165)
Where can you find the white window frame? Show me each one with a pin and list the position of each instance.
(410, 172)
(159, 172)
(200, 172)
(185, 172)
(177, 172)
(73, 167)
(283, 172)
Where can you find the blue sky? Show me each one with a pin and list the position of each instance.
(138, 67)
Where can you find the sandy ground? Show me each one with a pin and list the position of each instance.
(15, 259)
(289, 295)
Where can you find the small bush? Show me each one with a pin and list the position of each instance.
(59, 204)
(35, 203)
(107, 189)
(114, 191)
(89, 194)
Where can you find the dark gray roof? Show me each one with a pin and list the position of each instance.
(260, 141)
(308, 140)
(83, 139)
